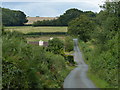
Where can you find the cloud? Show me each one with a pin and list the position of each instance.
(52, 8)
(33, 9)
(92, 1)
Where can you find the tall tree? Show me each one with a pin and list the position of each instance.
(69, 15)
(12, 17)
(82, 27)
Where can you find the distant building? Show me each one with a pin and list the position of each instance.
(39, 43)
(45, 44)
(33, 42)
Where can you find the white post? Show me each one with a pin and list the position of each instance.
(51, 38)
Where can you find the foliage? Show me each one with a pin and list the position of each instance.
(54, 22)
(90, 14)
(82, 26)
(68, 44)
(69, 15)
(103, 63)
(55, 46)
(101, 49)
(13, 18)
(27, 66)
(70, 59)
(64, 19)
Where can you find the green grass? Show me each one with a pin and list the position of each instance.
(99, 83)
(30, 29)
(45, 37)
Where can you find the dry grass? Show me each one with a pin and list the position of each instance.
(30, 29)
(34, 19)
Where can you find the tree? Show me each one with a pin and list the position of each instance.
(82, 27)
(56, 46)
(108, 23)
(90, 14)
(68, 44)
(104, 59)
(63, 20)
(13, 18)
(69, 15)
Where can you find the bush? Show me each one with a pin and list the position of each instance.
(82, 27)
(68, 44)
(103, 63)
(27, 66)
(12, 17)
(55, 46)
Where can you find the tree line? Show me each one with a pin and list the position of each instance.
(64, 19)
(18, 18)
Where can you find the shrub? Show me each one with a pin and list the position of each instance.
(27, 66)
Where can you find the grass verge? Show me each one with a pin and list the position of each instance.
(96, 80)
(99, 83)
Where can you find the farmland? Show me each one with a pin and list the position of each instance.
(45, 38)
(34, 19)
(30, 29)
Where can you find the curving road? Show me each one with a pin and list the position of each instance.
(77, 77)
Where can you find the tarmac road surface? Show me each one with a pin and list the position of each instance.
(77, 78)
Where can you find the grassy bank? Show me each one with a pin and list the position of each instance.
(86, 49)
(96, 80)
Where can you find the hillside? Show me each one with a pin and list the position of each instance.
(33, 19)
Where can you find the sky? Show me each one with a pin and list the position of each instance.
(51, 8)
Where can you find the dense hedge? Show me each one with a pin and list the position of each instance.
(103, 64)
(55, 46)
(47, 33)
(28, 66)
(68, 44)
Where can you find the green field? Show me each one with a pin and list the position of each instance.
(45, 38)
(30, 29)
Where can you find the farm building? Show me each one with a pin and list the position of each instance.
(39, 43)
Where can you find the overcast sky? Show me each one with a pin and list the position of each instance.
(51, 8)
